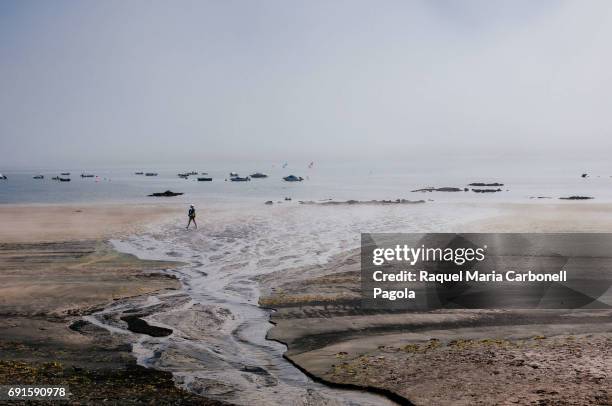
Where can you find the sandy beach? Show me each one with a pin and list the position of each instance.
(66, 222)
(57, 267)
(448, 357)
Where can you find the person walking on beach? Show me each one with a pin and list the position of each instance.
(192, 214)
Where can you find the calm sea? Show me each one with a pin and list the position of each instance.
(359, 181)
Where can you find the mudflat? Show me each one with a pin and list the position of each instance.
(57, 266)
(448, 357)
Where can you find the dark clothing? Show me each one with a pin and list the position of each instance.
(192, 214)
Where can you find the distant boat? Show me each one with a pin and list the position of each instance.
(204, 173)
(233, 174)
(192, 173)
(151, 174)
(38, 177)
(3, 176)
(183, 175)
(205, 179)
(259, 175)
(293, 178)
(64, 179)
(55, 178)
(135, 173)
(239, 179)
(87, 175)
(65, 173)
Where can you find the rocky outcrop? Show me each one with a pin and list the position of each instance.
(577, 198)
(355, 202)
(441, 189)
(167, 193)
(486, 190)
(485, 184)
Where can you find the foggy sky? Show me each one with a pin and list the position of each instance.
(119, 82)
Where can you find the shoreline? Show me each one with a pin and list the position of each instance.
(52, 279)
(325, 292)
(318, 317)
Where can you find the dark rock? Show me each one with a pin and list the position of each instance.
(269, 202)
(254, 370)
(78, 325)
(167, 193)
(138, 325)
(486, 190)
(440, 189)
(364, 202)
(576, 198)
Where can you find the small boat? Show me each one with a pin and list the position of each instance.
(135, 173)
(183, 175)
(65, 173)
(192, 173)
(38, 177)
(204, 173)
(151, 174)
(239, 179)
(64, 179)
(87, 175)
(3, 176)
(233, 174)
(55, 178)
(204, 179)
(293, 178)
(259, 175)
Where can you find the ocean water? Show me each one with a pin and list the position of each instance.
(359, 181)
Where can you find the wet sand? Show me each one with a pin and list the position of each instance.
(73, 222)
(448, 357)
(55, 273)
(56, 266)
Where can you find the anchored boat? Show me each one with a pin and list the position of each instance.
(259, 175)
(293, 178)
(239, 179)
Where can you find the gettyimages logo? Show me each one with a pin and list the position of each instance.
(485, 271)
